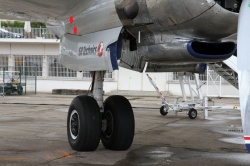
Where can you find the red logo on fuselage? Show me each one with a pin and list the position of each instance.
(100, 49)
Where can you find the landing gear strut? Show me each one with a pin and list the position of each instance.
(90, 120)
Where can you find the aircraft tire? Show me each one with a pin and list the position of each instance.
(192, 113)
(118, 133)
(20, 90)
(162, 111)
(8, 92)
(84, 124)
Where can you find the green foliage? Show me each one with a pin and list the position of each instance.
(37, 25)
(19, 24)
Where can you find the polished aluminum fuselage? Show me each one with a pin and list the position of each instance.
(162, 28)
(201, 19)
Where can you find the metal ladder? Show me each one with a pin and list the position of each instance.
(227, 70)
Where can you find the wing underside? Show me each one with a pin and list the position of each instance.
(46, 10)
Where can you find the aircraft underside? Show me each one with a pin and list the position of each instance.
(168, 41)
(100, 36)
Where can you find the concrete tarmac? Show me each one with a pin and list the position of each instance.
(33, 132)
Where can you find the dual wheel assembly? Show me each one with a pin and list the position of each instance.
(192, 113)
(86, 125)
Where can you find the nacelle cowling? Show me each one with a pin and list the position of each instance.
(188, 52)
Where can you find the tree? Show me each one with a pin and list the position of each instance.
(20, 24)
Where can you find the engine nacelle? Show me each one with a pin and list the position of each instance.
(210, 50)
(166, 13)
(188, 52)
(192, 68)
(176, 56)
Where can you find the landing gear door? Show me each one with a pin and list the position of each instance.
(89, 52)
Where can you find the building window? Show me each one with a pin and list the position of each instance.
(86, 74)
(202, 77)
(56, 69)
(29, 65)
(3, 61)
(108, 75)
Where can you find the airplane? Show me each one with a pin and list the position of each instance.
(101, 35)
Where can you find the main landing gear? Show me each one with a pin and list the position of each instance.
(91, 120)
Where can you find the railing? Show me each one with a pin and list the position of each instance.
(36, 33)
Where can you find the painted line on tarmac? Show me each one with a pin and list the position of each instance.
(66, 154)
(161, 125)
(34, 104)
(13, 159)
(62, 105)
(62, 154)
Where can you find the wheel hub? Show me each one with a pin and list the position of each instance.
(109, 124)
(74, 124)
(193, 114)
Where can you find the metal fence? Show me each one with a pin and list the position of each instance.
(15, 80)
(174, 77)
(36, 33)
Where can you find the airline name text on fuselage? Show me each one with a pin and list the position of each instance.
(89, 50)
